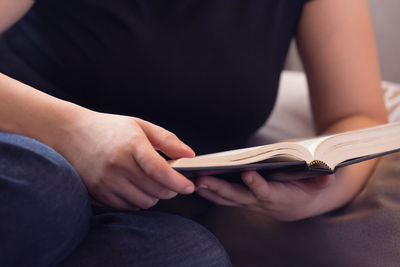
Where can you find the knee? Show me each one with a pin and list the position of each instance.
(201, 247)
(44, 201)
(181, 242)
(148, 239)
(38, 176)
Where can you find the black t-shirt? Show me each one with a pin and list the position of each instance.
(207, 70)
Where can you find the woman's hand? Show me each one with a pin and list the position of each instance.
(114, 155)
(337, 46)
(285, 201)
(117, 160)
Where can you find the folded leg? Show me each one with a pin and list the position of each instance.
(44, 206)
(146, 238)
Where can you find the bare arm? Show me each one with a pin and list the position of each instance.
(11, 11)
(114, 155)
(337, 45)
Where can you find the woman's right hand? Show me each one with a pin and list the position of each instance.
(117, 160)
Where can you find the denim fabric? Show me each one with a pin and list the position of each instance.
(46, 220)
(44, 206)
(147, 239)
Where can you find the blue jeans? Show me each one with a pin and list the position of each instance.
(46, 219)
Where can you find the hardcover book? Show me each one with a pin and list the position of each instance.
(297, 159)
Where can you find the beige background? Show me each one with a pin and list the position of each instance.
(386, 18)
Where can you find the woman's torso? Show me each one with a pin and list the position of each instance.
(207, 70)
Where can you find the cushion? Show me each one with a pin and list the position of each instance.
(292, 117)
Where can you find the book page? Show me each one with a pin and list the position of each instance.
(312, 144)
(230, 152)
(359, 143)
(329, 150)
(284, 150)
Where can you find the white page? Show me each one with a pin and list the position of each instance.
(312, 144)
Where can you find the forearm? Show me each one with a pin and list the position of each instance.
(11, 11)
(29, 112)
(337, 45)
(348, 181)
(113, 154)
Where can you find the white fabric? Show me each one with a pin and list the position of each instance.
(392, 100)
(292, 117)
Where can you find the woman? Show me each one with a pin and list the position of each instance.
(198, 68)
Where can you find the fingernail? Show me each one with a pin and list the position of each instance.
(204, 186)
(155, 202)
(248, 179)
(186, 147)
(189, 189)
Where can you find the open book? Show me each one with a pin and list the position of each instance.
(299, 158)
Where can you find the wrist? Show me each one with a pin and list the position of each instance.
(47, 119)
(59, 127)
(32, 113)
(348, 183)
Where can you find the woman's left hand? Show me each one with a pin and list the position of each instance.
(285, 201)
(337, 46)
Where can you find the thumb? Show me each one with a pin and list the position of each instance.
(165, 141)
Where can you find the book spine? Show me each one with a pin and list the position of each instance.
(319, 164)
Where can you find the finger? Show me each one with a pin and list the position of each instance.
(232, 192)
(157, 168)
(114, 201)
(166, 141)
(272, 192)
(152, 188)
(212, 196)
(134, 174)
(131, 194)
(257, 185)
